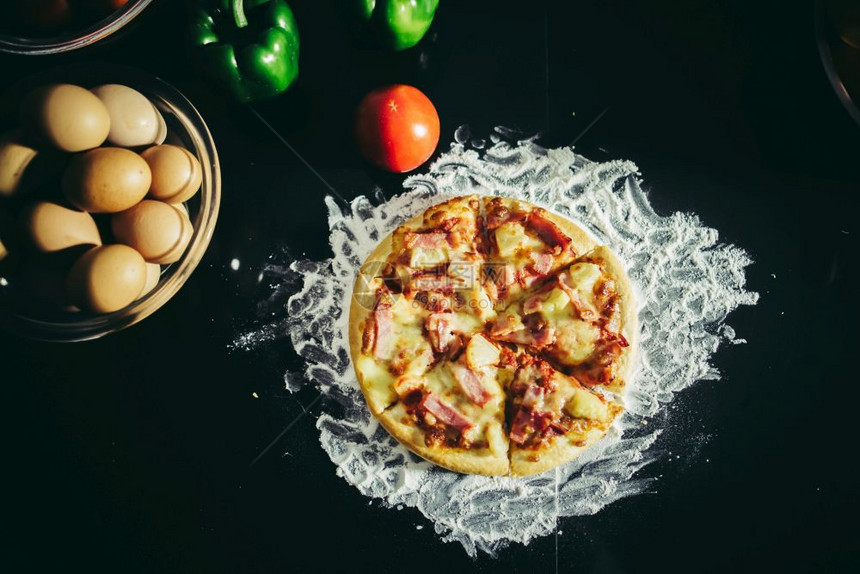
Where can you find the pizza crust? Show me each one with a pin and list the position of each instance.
(604, 257)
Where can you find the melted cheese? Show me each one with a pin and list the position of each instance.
(583, 278)
(377, 380)
(575, 340)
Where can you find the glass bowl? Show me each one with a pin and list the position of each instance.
(837, 29)
(74, 39)
(184, 123)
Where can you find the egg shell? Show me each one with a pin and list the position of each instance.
(176, 173)
(157, 230)
(153, 276)
(134, 121)
(106, 279)
(69, 117)
(106, 180)
(53, 227)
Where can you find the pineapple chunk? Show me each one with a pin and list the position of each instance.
(553, 308)
(511, 237)
(481, 353)
(586, 405)
(426, 258)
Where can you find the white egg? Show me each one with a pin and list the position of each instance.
(134, 121)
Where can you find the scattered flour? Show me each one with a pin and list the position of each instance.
(686, 284)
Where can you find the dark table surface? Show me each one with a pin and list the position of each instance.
(133, 453)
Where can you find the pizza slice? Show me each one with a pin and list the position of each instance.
(401, 340)
(453, 415)
(523, 244)
(552, 418)
(582, 320)
(435, 258)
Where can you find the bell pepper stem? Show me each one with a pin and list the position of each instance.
(238, 9)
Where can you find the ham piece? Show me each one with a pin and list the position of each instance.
(470, 384)
(542, 263)
(521, 426)
(445, 413)
(377, 333)
(439, 331)
(429, 240)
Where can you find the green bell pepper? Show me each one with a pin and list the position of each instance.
(254, 56)
(397, 24)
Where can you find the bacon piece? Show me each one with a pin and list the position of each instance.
(542, 263)
(439, 331)
(521, 426)
(428, 240)
(470, 384)
(496, 216)
(445, 412)
(449, 224)
(507, 358)
(377, 331)
(545, 423)
(538, 339)
(547, 230)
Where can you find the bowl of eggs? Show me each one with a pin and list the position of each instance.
(109, 194)
(53, 26)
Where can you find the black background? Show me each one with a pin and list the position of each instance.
(133, 453)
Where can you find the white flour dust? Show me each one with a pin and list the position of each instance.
(686, 282)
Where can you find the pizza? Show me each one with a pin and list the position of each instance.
(491, 336)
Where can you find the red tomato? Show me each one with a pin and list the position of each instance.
(397, 128)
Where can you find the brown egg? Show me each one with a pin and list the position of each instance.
(107, 278)
(134, 121)
(153, 276)
(53, 227)
(159, 231)
(69, 117)
(106, 180)
(176, 173)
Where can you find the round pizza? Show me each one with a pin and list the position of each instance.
(491, 336)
